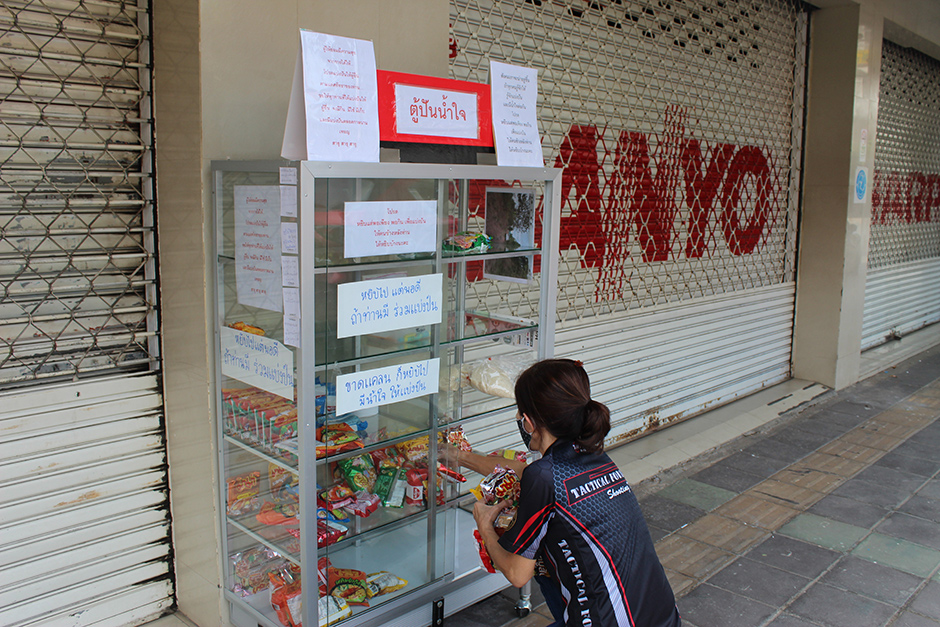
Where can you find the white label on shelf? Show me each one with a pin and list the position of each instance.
(387, 304)
(384, 386)
(258, 245)
(390, 227)
(258, 361)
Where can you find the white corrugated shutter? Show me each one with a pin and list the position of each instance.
(679, 130)
(84, 514)
(902, 290)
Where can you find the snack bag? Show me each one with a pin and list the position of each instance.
(365, 504)
(388, 457)
(499, 485)
(329, 533)
(247, 328)
(349, 585)
(484, 554)
(331, 610)
(386, 479)
(359, 473)
(337, 496)
(284, 484)
(335, 439)
(467, 242)
(243, 493)
(286, 598)
(457, 437)
(415, 450)
(383, 582)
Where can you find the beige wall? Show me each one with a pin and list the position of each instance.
(222, 79)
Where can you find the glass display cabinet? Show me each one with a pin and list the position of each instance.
(365, 313)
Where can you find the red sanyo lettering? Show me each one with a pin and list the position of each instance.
(906, 198)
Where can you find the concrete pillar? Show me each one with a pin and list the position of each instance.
(842, 111)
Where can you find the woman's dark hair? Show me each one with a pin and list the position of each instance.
(556, 395)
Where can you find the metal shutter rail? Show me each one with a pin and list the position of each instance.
(901, 290)
(84, 527)
(77, 272)
(670, 316)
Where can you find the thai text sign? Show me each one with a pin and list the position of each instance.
(258, 245)
(387, 304)
(258, 361)
(435, 112)
(390, 228)
(384, 386)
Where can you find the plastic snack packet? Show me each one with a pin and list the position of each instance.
(499, 485)
(468, 242)
(384, 582)
(349, 585)
(359, 473)
(286, 598)
(331, 610)
(243, 493)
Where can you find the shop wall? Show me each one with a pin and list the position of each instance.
(223, 78)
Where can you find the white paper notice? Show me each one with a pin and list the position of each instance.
(289, 237)
(364, 307)
(292, 330)
(435, 112)
(390, 228)
(291, 301)
(258, 246)
(258, 361)
(515, 124)
(287, 176)
(289, 201)
(384, 386)
(290, 271)
(334, 102)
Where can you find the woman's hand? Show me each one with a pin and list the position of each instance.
(485, 515)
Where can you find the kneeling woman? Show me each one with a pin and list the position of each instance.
(576, 510)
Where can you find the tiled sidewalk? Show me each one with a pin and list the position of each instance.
(831, 519)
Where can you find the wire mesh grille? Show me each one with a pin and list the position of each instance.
(678, 126)
(77, 272)
(906, 182)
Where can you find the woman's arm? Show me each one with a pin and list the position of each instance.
(483, 464)
(517, 569)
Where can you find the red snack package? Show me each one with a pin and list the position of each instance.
(499, 485)
(365, 504)
(338, 438)
(329, 533)
(484, 554)
(323, 567)
(388, 457)
(414, 491)
(286, 598)
(458, 438)
(338, 496)
(349, 585)
(243, 493)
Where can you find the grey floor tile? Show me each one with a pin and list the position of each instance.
(728, 478)
(708, 606)
(495, 610)
(657, 533)
(897, 480)
(873, 493)
(759, 581)
(772, 447)
(922, 507)
(793, 556)
(875, 581)
(931, 490)
(758, 465)
(865, 408)
(913, 465)
(667, 514)
(840, 608)
(909, 619)
(919, 530)
(916, 449)
(848, 511)
(927, 601)
(789, 620)
(844, 422)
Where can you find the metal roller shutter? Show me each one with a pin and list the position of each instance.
(902, 292)
(84, 514)
(679, 127)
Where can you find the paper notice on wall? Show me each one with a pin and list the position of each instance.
(333, 113)
(364, 307)
(515, 122)
(289, 201)
(258, 246)
(390, 228)
(289, 237)
(384, 386)
(290, 271)
(258, 361)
